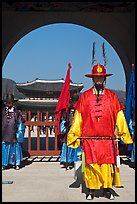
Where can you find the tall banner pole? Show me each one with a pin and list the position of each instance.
(64, 103)
(67, 120)
(67, 129)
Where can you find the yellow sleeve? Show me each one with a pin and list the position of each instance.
(75, 131)
(122, 128)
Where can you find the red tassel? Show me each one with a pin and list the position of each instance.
(13, 157)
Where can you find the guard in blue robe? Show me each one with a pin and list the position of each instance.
(74, 154)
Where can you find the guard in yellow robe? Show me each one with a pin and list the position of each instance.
(98, 113)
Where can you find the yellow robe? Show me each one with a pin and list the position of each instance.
(105, 175)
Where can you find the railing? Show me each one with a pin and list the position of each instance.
(46, 144)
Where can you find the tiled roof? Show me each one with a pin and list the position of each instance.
(47, 85)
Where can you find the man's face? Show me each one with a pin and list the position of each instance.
(99, 79)
(9, 104)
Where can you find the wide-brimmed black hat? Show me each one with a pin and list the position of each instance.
(10, 97)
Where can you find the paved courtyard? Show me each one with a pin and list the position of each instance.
(43, 180)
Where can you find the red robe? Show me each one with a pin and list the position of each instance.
(98, 120)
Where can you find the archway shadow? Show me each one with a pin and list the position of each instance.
(28, 159)
(79, 183)
(25, 163)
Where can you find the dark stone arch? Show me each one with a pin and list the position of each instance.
(114, 21)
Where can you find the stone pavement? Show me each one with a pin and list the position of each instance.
(40, 180)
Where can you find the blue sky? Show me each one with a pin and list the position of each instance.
(45, 53)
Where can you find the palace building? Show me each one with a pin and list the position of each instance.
(42, 95)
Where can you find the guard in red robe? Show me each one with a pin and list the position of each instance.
(98, 122)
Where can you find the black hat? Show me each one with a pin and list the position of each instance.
(9, 97)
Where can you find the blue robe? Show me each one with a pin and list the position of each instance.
(74, 154)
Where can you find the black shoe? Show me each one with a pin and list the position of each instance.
(71, 165)
(109, 195)
(89, 196)
(17, 167)
(63, 164)
(3, 167)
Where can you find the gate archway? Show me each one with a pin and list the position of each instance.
(114, 21)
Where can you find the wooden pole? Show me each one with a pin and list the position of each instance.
(67, 129)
